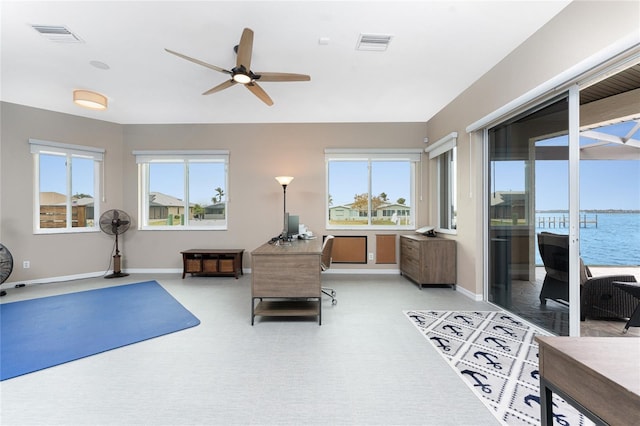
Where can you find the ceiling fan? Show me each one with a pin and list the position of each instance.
(242, 72)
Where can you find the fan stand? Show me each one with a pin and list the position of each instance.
(117, 273)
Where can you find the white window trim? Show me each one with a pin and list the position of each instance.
(143, 158)
(442, 145)
(435, 150)
(37, 147)
(412, 155)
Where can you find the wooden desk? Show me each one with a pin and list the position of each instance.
(288, 275)
(212, 262)
(599, 376)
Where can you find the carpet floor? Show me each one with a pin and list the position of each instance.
(496, 355)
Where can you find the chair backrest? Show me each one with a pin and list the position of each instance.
(554, 251)
(327, 246)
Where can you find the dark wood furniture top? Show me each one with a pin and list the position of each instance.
(217, 262)
(600, 376)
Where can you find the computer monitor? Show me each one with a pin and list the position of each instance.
(293, 225)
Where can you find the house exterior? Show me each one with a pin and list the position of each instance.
(396, 213)
(53, 211)
(163, 206)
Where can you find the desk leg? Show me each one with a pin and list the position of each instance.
(253, 306)
(546, 404)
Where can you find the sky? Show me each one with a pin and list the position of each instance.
(348, 178)
(604, 184)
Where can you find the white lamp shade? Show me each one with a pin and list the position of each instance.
(91, 100)
(284, 180)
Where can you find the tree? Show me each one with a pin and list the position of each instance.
(217, 198)
(383, 197)
(198, 211)
(401, 201)
(360, 202)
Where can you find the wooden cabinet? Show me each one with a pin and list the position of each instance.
(428, 260)
(212, 262)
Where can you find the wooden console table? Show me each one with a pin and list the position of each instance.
(218, 262)
(599, 376)
(285, 279)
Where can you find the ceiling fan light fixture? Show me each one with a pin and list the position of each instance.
(241, 78)
(91, 100)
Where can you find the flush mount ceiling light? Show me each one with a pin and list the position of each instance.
(91, 100)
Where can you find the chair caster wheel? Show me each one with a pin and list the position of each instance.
(334, 302)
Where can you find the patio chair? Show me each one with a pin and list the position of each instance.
(599, 298)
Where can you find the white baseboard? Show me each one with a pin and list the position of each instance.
(153, 271)
(469, 294)
(55, 279)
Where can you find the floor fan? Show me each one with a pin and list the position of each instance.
(115, 222)
(6, 265)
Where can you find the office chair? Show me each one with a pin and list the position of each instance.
(325, 263)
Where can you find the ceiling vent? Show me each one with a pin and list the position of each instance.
(378, 42)
(57, 33)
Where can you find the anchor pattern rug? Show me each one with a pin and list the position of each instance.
(496, 355)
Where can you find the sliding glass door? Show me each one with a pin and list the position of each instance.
(528, 220)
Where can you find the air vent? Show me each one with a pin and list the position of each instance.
(57, 33)
(377, 42)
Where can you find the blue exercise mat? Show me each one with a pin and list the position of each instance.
(41, 333)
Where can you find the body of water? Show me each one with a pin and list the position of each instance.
(614, 242)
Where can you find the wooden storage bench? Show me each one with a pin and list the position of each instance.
(219, 262)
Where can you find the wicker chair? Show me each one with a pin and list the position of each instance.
(599, 298)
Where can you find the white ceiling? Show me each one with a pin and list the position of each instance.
(438, 49)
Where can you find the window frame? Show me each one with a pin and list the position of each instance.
(69, 151)
(410, 155)
(145, 158)
(444, 152)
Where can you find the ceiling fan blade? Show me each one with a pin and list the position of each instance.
(282, 76)
(245, 48)
(257, 90)
(220, 87)
(199, 62)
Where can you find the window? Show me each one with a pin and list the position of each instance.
(444, 151)
(67, 187)
(371, 189)
(183, 189)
